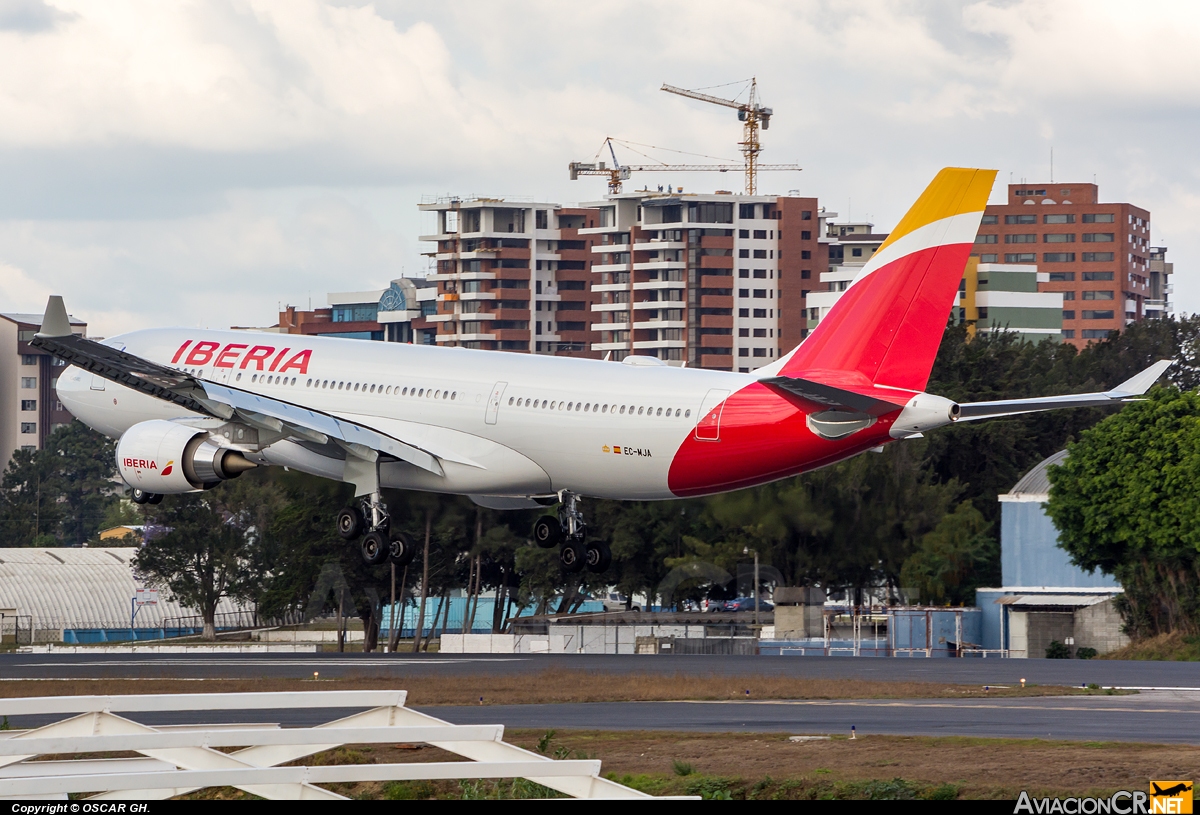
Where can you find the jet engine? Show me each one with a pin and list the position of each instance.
(162, 457)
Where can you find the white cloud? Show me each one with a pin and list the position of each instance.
(199, 162)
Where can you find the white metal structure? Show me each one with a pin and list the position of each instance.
(179, 759)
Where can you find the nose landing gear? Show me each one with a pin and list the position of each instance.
(567, 532)
(379, 543)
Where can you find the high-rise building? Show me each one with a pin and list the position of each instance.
(1097, 255)
(1158, 304)
(29, 406)
(511, 275)
(708, 280)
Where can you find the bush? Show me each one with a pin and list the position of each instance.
(1056, 650)
(1085, 653)
(682, 767)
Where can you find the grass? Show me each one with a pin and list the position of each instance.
(551, 686)
(766, 766)
(1173, 647)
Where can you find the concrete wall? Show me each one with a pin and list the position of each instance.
(1099, 627)
(1029, 552)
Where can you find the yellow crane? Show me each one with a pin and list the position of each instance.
(618, 173)
(753, 115)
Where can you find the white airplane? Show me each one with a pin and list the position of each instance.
(193, 408)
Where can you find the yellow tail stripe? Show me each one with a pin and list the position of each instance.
(953, 191)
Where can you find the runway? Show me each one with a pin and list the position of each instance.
(1151, 716)
(400, 665)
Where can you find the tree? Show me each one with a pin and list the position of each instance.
(203, 554)
(1125, 502)
(954, 559)
(29, 508)
(58, 495)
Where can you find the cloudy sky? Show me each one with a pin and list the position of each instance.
(199, 163)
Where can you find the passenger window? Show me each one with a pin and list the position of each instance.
(639, 411)
(604, 409)
(511, 400)
(622, 410)
(659, 412)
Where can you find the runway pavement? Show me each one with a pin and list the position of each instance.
(1151, 716)
(400, 665)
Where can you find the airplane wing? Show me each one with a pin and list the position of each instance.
(275, 416)
(1129, 390)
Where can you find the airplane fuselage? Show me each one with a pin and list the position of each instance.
(502, 424)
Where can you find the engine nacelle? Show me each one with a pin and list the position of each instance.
(166, 458)
(924, 412)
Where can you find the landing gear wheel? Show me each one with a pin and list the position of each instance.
(572, 556)
(155, 498)
(547, 532)
(401, 550)
(375, 548)
(598, 557)
(139, 496)
(349, 523)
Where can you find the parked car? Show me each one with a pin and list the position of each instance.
(747, 604)
(615, 601)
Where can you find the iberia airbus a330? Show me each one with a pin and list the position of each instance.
(193, 408)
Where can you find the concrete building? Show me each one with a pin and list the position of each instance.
(1158, 304)
(511, 276)
(398, 313)
(1044, 597)
(29, 406)
(847, 248)
(1097, 255)
(1005, 297)
(715, 280)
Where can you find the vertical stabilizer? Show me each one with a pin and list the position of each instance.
(889, 323)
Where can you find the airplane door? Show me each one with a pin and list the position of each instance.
(493, 405)
(709, 426)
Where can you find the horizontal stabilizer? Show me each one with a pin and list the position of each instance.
(831, 397)
(1128, 390)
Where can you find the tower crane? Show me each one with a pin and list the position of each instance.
(752, 114)
(619, 172)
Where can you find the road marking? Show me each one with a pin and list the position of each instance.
(954, 705)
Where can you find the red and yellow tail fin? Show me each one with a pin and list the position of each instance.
(889, 323)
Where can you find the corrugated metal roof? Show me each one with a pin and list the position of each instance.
(1036, 481)
(81, 588)
(1061, 600)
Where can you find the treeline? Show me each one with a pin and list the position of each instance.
(920, 515)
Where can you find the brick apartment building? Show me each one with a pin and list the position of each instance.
(29, 406)
(711, 280)
(511, 276)
(1097, 255)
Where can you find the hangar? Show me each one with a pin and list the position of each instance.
(84, 595)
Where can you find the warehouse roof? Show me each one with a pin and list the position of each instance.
(1035, 484)
(81, 588)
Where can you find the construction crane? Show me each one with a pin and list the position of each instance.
(619, 172)
(752, 114)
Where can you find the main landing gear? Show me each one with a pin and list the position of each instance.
(139, 496)
(567, 532)
(380, 542)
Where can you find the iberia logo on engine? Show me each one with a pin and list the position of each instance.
(145, 464)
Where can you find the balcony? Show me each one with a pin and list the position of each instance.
(717, 262)
(611, 306)
(660, 344)
(716, 242)
(610, 326)
(600, 268)
(610, 346)
(654, 245)
(468, 275)
(658, 284)
(718, 282)
(654, 265)
(609, 248)
(656, 324)
(610, 287)
(716, 321)
(475, 295)
(655, 304)
(716, 301)
(477, 316)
